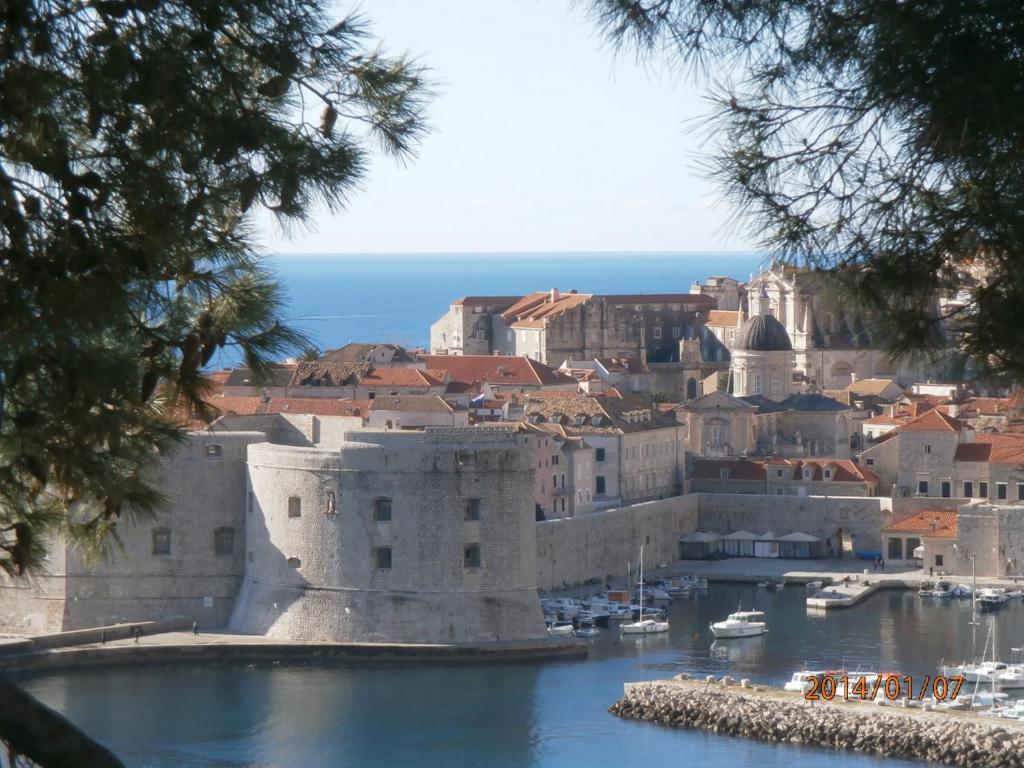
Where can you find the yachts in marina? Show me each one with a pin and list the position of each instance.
(643, 626)
(991, 598)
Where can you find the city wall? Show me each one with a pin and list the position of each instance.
(599, 546)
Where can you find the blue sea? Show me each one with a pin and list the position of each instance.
(337, 299)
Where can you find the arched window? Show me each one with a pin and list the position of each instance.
(691, 389)
(332, 503)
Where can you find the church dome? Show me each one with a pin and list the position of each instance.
(762, 333)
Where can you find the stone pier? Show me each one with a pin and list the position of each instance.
(771, 714)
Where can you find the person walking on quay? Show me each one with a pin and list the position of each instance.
(882, 563)
(137, 631)
(195, 627)
(931, 571)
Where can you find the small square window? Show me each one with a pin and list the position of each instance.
(922, 487)
(554, 460)
(968, 490)
(382, 558)
(778, 473)
(294, 562)
(471, 556)
(161, 541)
(294, 506)
(1000, 490)
(677, 332)
(471, 509)
(657, 332)
(600, 484)
(927, 449)
(869, 462)
(939, 561)
(214, 450)
(224, 541)
(382, 510)
(983, 490)
(599, 454)
(1020, 491)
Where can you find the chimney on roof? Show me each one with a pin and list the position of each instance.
(853, 377)
(953, 409)
(554, 295)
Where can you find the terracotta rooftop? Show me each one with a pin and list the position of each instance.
(1007, 448)
(431, 403)
(869, 386)
(582, 415)
(932, 421)
(934, 524)
(973, 452)
(402, 377)
(497, 369)
(317, 406)
(843, 470)
(363, 353)
(730, 318)
(623, 364)
(323, 373)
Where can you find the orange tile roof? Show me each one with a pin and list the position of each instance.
(497, 369)
(318, 406)
(402, 377)
(739, 469)
(1007, 448)
(932, 524)
(973, 452)
(932, 421)
(727, 317)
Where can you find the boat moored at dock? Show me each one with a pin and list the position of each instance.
(740, 624)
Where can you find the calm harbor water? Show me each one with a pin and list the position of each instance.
(543, 714)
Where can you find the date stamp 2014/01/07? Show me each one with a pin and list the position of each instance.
(892, 687)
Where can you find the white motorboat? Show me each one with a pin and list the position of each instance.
(943, 589)
(643, 626)
(814, 586)
(1011, 679)
(801, 681)
(740, 624)
(776, 585)
(762, 585)
(927, 589)
(586, 630)
(560, 628)
(991, 597)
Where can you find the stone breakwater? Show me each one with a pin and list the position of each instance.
(961, 740)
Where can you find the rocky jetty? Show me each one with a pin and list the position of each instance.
(961, 740)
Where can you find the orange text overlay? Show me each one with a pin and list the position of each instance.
(891, 687)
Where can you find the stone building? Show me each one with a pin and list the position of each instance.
(304, 527)
(465, 329)
(564, 482)
(416, 537)
(638, 451)
(782, 477)
(553, 327)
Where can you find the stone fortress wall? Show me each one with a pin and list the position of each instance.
(205, 484)
(321, 564)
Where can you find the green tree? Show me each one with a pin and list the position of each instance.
(880, 140)
(137, 138)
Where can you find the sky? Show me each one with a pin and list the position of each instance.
(544, 139)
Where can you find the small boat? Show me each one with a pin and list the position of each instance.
(927, 589)
(801, 681)
(643, 626)
(943, 589)
(586, 630)
(814, 586)
(560, 628)
(991, 598)
(776, 585)
(963, 590)
(762, 585)
(740, 624)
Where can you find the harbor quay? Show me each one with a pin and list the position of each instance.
(736, 708)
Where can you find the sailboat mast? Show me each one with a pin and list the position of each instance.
(974, 609)
(641, 582)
